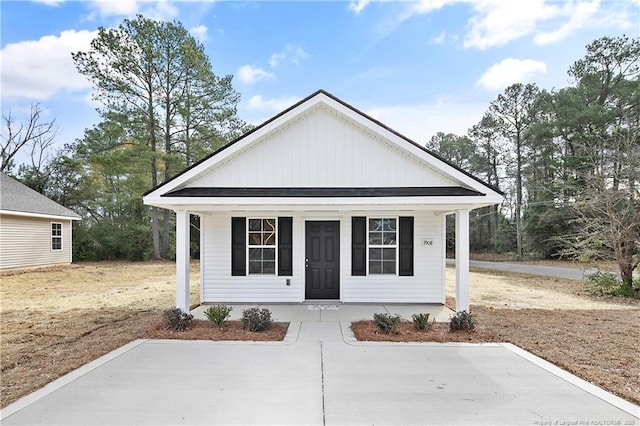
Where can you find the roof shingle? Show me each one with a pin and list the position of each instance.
(19, 198)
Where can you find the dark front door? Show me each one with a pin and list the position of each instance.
(322, 260)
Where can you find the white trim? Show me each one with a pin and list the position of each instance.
(39, 215)
(56, 236)
(249, 246)
(381, 246)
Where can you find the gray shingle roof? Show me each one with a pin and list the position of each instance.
(19, 198)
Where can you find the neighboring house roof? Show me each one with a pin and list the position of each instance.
(19, 199)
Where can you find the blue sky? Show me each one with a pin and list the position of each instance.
(418, 66)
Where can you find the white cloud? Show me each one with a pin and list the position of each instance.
(249, 74)
(440, 38)
(358, 6)
(49, 2)
(509, 71)
(275, 58)
(161, 10)
(117, 8)
(419, 122)
(498, 22)
(580, 14)
(39, 68)
(257, 102)
(199, 33)
(293, 52)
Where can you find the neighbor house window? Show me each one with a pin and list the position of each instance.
(382, 245)
(262, 246)
(56, 236)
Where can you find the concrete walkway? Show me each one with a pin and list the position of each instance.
(335, 312)
(320, 375)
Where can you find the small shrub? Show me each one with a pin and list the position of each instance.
(386, 322)
(177, 319)
(604, 283)
(218, 314)
(462, 321)
(421, 322)
(255, 319)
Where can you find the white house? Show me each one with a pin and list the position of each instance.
(34, 230)
(322, 202)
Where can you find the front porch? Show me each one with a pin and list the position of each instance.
(334, 312)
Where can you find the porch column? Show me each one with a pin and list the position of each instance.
(462, 260)
(182, 259)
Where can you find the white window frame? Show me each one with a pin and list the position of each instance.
(262, 246)
(395, 246)
(57, 236)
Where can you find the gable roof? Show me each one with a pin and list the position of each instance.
(173, 183)
(17, 198)
(226, 177)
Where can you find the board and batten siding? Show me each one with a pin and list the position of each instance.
(26, 242)
(322, 149)
(425, 286)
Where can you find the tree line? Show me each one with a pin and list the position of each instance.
(567, 160)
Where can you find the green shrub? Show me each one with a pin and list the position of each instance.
(386, 322)
(255, 319)
(177, 319)
(218, 314)
(421, 322)
(609, 283)
(462, 321)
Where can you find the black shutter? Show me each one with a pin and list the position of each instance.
(238, 246)
(358, 246)
(405, 245)
(285, 246)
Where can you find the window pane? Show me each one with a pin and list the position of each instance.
(389, 224)
(269, 239)
(375, 267)
(375, 238)
(389, 239)
(389, 254)
(56, 243)
(268, 267)
(255, 267)
(255, 238)
(254, 224)
(268, 254)
(389, 267)
(269, 225)
(375, 254)
(375, 224)
(255, 254)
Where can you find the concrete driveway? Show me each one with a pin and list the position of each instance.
(527, 268)
(319, 376)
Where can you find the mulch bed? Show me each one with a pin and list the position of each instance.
(231, 330)
(406, 332)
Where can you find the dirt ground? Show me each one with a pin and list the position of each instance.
(53, 321)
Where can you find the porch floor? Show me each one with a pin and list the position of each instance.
(323, 311)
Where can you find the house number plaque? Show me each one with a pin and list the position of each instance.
(427, 242)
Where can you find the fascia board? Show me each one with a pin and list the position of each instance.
(38, 215)
(342, 201)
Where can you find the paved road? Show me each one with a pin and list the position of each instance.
(526, 268)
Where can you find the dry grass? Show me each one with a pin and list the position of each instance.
(53, 321)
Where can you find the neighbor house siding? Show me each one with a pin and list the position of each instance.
(425, 286)
(26, 242)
